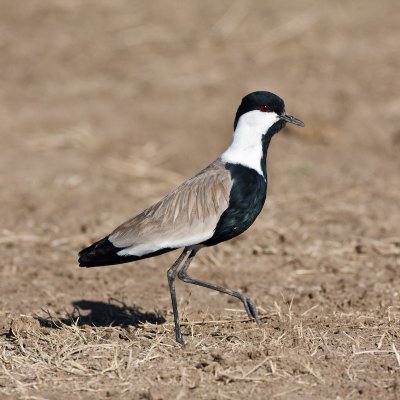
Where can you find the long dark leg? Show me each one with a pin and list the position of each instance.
(171, 275)
(248, 304)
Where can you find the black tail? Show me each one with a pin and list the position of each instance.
(104, 252)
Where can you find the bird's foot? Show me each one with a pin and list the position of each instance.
(180, 340)
(250, 308)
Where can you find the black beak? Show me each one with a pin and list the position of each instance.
(291, 119)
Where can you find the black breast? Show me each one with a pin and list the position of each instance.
(247, 198)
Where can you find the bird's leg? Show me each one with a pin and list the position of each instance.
(171, 275)
(247, 302)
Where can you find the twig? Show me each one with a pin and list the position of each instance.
(310, 309)
(396, 353)
(287, 392)
(381, 340)
(256, 367)
(357, 353)
(216, 322)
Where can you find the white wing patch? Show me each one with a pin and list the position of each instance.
(155, 245)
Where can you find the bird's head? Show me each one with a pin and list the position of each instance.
(264, 112)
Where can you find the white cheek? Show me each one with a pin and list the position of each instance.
(246, 148)
(258, 120)
(269, 119)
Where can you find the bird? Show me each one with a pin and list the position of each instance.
(219, 203)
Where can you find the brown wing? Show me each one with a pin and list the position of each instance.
(184, 217)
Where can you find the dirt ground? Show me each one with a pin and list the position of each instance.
(107, 105)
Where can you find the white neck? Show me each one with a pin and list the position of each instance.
(247, 148)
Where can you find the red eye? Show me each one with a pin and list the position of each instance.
(264, 109)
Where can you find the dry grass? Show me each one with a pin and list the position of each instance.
(288, 353)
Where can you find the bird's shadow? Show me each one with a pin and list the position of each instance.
(102, 314)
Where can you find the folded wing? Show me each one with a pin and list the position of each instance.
(185, 217)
